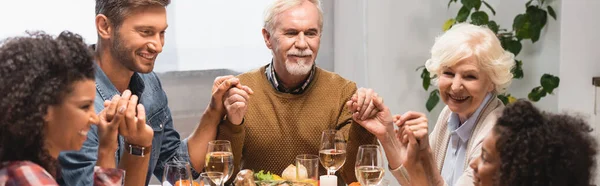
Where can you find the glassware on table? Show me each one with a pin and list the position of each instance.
(368, 168)
(211, 179)
(177, 173)
(110, 177)
(307, 168)
(219, 158)
(332, 153)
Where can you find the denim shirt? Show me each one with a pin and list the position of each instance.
(78, 166)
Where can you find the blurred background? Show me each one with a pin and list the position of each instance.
(376, 43)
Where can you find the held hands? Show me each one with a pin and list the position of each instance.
(415, 122)
(409, 148)
(108, 129)
(412, 134)
(126, 116)
(230, 98)
(369, 111)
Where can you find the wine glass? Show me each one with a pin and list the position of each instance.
(177, 173)
(368, 168)
(219, 158)
(333, 150)
(210, 179)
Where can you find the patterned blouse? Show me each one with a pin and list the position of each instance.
(26, 173)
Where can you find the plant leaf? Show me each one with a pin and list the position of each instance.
(521, 26)
(534, 32)
(549, 82)
(448, 24)
(490, 7)
(537, 19)
(519, 21)
(511, 99)
(528, 3)
(433, 100)
(517, 71)
(470, 4)
(503, 98)
(536, 94)
(513, 46)
(551, 12)
(426, 79)
(479, 18)
(463, 14)
(493, 26)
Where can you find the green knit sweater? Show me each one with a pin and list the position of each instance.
(278, 126)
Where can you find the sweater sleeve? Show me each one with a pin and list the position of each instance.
(356, 134)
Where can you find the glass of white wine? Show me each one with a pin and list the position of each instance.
(210, 179)
(219, 158)
(368, 168)
(332, 153)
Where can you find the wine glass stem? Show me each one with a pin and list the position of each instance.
(330, 172)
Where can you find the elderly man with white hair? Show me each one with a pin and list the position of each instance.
(471, 68)
(293, 100)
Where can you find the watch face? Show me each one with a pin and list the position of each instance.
(137, 151)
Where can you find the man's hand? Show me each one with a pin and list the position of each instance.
(363, 103)
(134, 129)
(377, 117)
(236, 103)
(230, 98)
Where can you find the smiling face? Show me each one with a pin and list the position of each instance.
(295, 39)
(464, 86)
(486, 167)
(140, 38)
(68, 123)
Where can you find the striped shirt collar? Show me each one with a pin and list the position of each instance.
(272, 77)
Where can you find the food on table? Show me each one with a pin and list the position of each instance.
(244, 178)
(290, 173)
(186, 183)
(354, 184)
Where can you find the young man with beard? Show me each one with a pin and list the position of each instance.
(130, 36)
(294, 100)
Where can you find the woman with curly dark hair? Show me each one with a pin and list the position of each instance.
(47, 92)
(528, 147)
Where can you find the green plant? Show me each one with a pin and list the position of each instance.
(525, 26)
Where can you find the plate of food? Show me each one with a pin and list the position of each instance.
(248, 177)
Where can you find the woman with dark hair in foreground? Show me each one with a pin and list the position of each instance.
(528, 147)
(47, 92)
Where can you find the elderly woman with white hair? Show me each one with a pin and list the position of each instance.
(471, 69)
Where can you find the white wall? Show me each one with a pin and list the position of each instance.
(580, 61)
(227, 34)
(77, 16)
(219, 34)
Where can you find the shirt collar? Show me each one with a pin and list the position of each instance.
(464, 132)
(107, 90)
(272, 77)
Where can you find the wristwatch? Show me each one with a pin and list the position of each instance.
(137, 150)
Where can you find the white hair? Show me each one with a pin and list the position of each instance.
(279, 6)
(465, 40)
